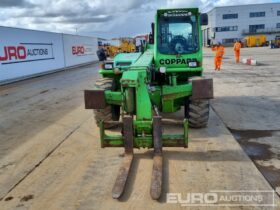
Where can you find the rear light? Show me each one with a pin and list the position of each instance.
(107, 66)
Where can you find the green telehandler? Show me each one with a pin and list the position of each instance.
(135, 88)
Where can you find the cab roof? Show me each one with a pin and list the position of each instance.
(193, 10)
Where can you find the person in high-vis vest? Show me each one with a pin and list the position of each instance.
(236, 48)
(219, 50)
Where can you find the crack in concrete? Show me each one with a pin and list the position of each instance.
(43, 159)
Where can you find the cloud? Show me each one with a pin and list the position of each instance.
(104, 18)
(82, 20)
(183, 3)
(15, 3)
(206, 5)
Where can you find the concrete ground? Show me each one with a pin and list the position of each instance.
(50, 157)
(247, 98)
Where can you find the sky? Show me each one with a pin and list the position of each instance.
(100, 18)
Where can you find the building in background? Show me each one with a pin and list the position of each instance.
(230, 23)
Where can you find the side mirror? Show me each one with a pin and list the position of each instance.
(204, 19)
(151, 36)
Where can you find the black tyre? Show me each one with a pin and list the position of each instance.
(110, 112)
(198, 113)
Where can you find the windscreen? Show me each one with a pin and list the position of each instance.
(178, 35)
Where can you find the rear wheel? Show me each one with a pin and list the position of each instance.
(110, 112)
(198, 113)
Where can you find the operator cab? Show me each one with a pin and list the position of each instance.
(177, 33)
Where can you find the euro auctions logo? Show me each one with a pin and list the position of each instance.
(26, 52)
(78, 50)
(223, 198)
(82, 50)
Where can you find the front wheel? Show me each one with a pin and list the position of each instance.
(110, 112)
(198, 113)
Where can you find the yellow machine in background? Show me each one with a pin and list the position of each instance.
(111, 50)
(275, 43)
(124, 47)
(127, 46)
(255, 41)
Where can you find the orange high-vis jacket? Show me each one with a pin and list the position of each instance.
(220, 50)
(237, 46)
